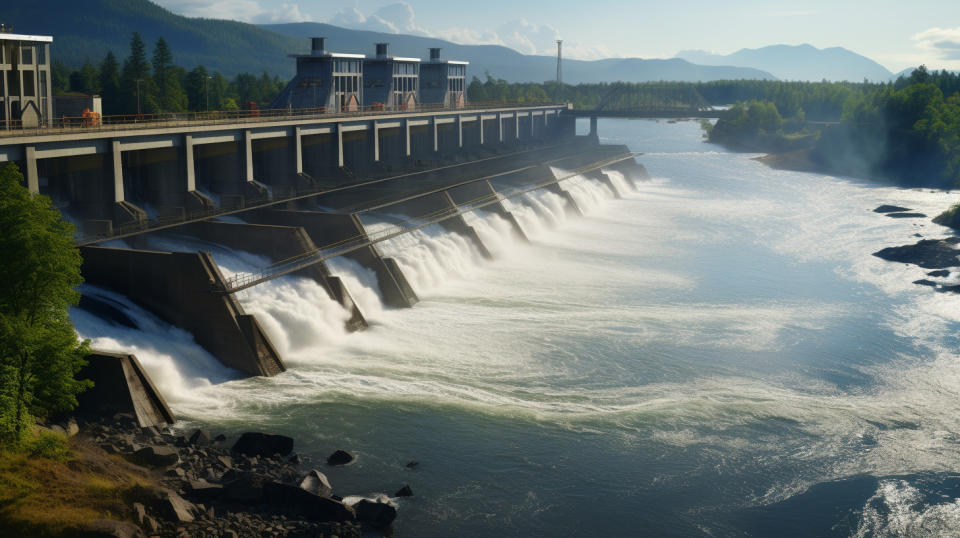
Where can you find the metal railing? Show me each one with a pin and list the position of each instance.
(244, 281)
(72, 125)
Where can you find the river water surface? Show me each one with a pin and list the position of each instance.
(714, 354)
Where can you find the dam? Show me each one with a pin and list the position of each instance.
(299, 189)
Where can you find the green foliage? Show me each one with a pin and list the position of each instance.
(50, 445)
(39, 351)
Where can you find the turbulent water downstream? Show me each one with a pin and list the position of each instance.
(716, 353)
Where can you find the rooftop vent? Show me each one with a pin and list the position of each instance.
(382, 50)
(317, 46)
(434, 54)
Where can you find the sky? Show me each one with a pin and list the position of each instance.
(896, 33)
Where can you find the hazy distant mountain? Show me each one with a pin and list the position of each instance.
(798, 62)
(509, 64)
(90, 28)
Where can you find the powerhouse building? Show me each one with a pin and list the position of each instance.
(338, 82)
(25, 83)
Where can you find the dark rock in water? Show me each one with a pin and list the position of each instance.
(340, 457)
(155, 456)
(927, 253)
(305, 504)
(906, 215)
(412, 464)
(890, 209)
(378, 513)
(950, 289)
(109, 528)
(108, 310)
(942, 273)
(925, 282)
(316, 482)
(200, 438)
(405, 491)
(263, 444)
(220, 438)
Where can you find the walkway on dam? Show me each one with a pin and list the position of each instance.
(248, 280)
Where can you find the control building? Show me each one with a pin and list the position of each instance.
(443, 82)
(25, 83)
(391, 82)
(329, 80)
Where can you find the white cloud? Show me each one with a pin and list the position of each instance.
(395, 18)
(942, 45)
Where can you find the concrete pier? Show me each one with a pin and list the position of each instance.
(279, 243)
(330, 230)
(178, 288)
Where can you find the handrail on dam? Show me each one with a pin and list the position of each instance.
(119, 122)
(320, 254)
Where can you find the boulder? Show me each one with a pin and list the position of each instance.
(378, 512)
(942, 273)
(244, 488)
(204, 491)
(155, 456)
(340, 457)
(405, 491)
(316, 482)
(302, 503)
(199, 438)
(175, 507)
(263, 444)
(890, 209)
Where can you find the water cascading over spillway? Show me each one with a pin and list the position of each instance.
(589, 194)
(296, 312)
(428, 256)
(179, 367)
(619, 181)
(495, 232)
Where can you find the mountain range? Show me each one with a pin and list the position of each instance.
(87, 30)
(798, 62)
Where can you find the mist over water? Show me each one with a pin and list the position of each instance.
(716, 353)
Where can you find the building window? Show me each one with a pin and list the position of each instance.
(29, 89)
(13, 82)
(43, 84)
(41, 55)
(26, 55)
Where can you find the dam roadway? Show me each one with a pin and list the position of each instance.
(296, 191)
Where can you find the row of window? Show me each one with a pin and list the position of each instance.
(456, 84)
(456, 71)
(26, 54)
(406, 68)
(347, 66)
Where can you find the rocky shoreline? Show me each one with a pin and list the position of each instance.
(214, 486)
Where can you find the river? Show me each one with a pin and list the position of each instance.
(714, 354)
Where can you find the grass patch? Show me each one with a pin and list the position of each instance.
(53, 486)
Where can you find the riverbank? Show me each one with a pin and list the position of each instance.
(113, 478)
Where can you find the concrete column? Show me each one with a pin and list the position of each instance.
(298, 149)
(480, 123)
(116, 153)
(532, 130)
(516, 125)
(376, 142)
(340, 143)
(500, 126)
(191, 171)
(460, 131)
(436, 140)
(33, 176)
(248, 154)
(406, 137)
(593, 127)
